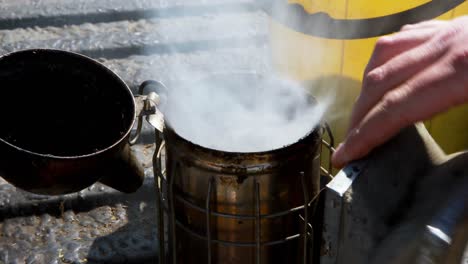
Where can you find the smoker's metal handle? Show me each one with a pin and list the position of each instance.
(147, 101)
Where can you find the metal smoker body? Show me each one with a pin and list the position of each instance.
(226, 207)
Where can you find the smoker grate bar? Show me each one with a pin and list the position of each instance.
(330, 147)
(326, 172)
(306, 215)
(239, 216)
(258, 244)
(208, 219)
(240, 244)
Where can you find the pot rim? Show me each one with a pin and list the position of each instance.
(101, 66)
(314, 130)
(245, 163)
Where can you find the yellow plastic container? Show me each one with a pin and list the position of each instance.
(333, 62)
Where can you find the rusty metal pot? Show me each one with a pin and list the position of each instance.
(228, 207)
(66, 120)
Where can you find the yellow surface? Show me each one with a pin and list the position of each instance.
(335, 67)
(358, 8)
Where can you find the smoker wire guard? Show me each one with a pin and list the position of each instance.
(148, 109)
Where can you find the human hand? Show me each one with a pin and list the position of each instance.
(411, 76)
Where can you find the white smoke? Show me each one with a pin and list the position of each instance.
(242, 112)
(239, 112)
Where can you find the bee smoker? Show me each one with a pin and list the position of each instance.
(231, 207)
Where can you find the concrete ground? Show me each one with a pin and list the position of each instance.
(139, 40)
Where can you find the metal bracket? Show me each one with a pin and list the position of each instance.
(146, 105)
(330, 147)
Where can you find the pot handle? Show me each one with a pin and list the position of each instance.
(147, 102)
(124, 172)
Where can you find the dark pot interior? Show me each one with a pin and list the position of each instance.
(61, 104)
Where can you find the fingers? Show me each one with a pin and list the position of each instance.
(411, 76)
(388, 47)
(394, 72)
(436, 89)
